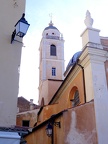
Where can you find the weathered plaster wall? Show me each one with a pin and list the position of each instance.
(63, 102)
(29, 115)
(47, 112)
(81, 128)
(38, 137)
(77, 127)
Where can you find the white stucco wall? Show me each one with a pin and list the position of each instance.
(10, 55)
(96, 88)
(100, 100)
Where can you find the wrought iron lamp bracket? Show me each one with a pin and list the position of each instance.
(57, 124)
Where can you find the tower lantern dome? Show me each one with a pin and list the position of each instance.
(51, 32)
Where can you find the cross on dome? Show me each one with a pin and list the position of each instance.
(50, 15)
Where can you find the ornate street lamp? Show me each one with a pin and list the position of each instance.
(21, 28)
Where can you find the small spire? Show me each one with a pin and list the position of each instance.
(88, 20)
(50, 15)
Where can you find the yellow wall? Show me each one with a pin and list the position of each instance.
(77, 125)
(66, 96)
(63, 97)
(49, 88)
(31, 116)
(47, 112)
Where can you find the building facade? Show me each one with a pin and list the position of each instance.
(77, 112)
(27, 113)
(10, 56)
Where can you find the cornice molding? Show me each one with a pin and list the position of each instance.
(92, 54)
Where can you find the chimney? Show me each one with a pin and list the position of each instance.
(31, 104)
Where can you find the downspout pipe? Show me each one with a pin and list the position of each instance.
(83, 80)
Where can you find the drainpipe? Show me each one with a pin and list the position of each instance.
(52, 137)
(83, 80)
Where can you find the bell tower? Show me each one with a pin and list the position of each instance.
(51, 66)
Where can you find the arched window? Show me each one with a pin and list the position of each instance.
(53, 50)
(76, 99)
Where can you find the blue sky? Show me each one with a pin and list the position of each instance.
(68, 17)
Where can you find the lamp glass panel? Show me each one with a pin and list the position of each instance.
(49, 132)
(21, 29)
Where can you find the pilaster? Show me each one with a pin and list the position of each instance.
(92, 59)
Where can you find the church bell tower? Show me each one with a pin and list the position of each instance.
(51, 65)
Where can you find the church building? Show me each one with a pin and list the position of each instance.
(74, 102)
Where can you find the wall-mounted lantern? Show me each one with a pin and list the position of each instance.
(21, 28)
(49, 129)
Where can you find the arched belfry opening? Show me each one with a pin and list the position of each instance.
(52, 50)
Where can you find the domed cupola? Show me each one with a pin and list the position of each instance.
(51, 32)
(73, 60)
